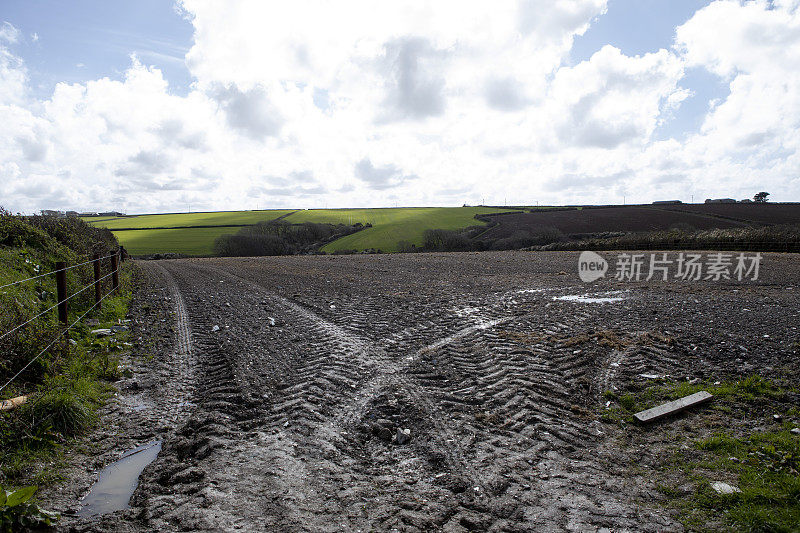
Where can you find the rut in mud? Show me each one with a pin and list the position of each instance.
(301, 369)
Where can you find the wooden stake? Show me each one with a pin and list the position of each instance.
(115, 272)
(13, 403)
(97, 288)
(61, 291)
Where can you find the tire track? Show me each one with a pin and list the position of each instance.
(287, 392)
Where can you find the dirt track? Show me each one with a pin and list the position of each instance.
(271, 421)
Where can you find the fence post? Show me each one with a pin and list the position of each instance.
(97, 289)
(61, 290)
(115, 272)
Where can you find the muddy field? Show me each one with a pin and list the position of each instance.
(643, 218)
(278, 386)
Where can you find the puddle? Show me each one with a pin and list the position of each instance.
(112, 492)
(589, 298)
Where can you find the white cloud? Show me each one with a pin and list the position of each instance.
(612, 99)
(9, 33)
(356, 103)
(752, 135)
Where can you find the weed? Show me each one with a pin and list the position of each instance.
(18, 513)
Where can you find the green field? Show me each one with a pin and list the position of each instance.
(188, 220)
(390, 227)
(188, 241)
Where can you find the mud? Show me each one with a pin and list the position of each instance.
(277, 385)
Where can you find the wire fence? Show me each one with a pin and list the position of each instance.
(55, 271)
(62, 301)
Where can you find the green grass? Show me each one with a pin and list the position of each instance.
(391, 225)
(762, 462)
(186, 220)
(188, 241)
(762, 465)
(638, 398)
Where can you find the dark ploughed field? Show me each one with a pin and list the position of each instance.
(643, 218)
(279, 382)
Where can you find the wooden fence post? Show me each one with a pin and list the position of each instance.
(115, 272)
(61, 290)
(97, 288)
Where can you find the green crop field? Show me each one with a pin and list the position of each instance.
(188, 220)
(189, 241)
(391, 225)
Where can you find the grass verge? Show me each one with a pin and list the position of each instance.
(743, 439)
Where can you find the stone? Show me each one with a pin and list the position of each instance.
(382, 432)
(215, 328)
(402, 436)
(117, 329)
(724, 488)
(796, 431)
(102, 332)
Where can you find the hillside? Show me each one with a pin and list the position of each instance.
(194, 233)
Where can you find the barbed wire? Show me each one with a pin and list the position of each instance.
(6, 334)
(55, 271)
(65, 330)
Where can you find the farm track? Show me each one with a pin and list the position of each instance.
(499, 384)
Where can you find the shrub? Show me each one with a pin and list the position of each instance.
(280, 238)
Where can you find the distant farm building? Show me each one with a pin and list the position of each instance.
(52, 213)
(72, 213)
(667, 202)
(88, 214)
(746, 201)
(112, 214)
(721, 201)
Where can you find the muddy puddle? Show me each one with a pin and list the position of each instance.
(591, 298)
(112, 492)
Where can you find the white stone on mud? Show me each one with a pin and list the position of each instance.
(215, 328)
(402, 436)
(103, 332)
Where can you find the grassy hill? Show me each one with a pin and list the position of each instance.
(188, 241)
(188, 220)
(390, 226)
(194, 233)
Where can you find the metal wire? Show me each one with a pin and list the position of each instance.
(6, 334)
(54, 271)
(54, 340)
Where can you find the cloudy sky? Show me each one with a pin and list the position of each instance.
(153, 106)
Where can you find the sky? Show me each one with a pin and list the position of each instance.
(163, 106)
